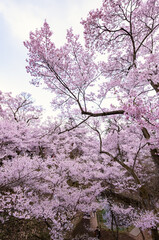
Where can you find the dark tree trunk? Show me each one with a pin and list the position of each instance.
(142, 234)
(115, 233)
(117, 230)
(155, 156)
(154, 233)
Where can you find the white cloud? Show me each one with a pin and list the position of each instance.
(20, 18)
(78, 10)
(24, 16)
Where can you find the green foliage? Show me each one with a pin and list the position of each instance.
(100, 219)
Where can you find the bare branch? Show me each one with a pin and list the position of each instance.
(69, 129)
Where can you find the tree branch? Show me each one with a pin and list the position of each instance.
(109, 193)
(69, 129)
(116, 112)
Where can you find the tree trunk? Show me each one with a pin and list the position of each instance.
(115, 233)
(142, 234)
(154, 233)
(117, 230)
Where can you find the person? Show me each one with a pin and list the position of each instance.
(97, 233)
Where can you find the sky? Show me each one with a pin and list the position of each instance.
(17, 19)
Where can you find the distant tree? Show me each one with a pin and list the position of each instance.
(21, 107)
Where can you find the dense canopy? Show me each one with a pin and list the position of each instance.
(103, 152)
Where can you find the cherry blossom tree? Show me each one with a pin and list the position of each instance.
(46, 187)
(56, 188)
(113, 160)
(18, 134)
(20, 108)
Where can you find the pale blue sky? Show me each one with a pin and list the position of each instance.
(17, 19)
